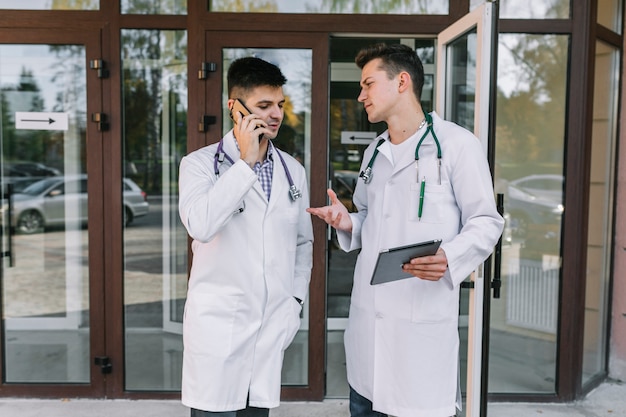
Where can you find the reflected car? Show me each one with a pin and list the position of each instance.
(344, 183)
(534, 199)
(29, 169)
(54, 200)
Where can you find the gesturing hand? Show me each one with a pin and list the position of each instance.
(336, 214)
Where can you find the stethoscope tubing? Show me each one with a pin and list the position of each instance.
(220, 155)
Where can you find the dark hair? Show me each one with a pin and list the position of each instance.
(394, 59)
(250, 72)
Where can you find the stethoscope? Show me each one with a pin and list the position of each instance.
(428, 120)
(220, 155)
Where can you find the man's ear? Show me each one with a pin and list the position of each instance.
(404, 81)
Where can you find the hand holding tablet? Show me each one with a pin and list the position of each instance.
(389, 264)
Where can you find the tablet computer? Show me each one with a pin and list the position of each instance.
(389, 264)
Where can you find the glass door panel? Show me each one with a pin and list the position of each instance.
(350, 134)
(301, 135)
(155, 242)
(530, 141)
(294, 137)
(45, 271)
(463, 89)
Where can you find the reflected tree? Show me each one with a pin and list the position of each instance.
(531, 101)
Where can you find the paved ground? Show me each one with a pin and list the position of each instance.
(608, 400)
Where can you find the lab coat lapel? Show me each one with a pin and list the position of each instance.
(230, 147)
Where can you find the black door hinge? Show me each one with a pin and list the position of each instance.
(205, 121)
(205, 68)
(104, 362)
(100, 66)
(102, 120)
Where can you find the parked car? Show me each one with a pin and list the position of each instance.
(44, 203)
(534, 199)
(29, 169)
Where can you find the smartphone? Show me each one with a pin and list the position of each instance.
(238, 106)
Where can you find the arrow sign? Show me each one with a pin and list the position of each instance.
(41, 121)
(357, 138)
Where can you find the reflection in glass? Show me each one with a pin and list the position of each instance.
(610, 14)
(154, 73)
(348, 115)
(154, 7)
(50, 4)
(535, 9)
(530, 131)
(461, 81)
(599, 240)
(45, 282)
(294, 137)
(405, 7)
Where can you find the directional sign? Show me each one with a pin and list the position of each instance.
(357, 138)
(41, 121)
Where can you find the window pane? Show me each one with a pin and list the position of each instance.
(530, 132)
(45, 282)
(535, 9)
(154, 70)
(294, 137)
(335, 7)
(610, 13)
(50, 5)
(348, 118)
(602, 177)
(154, 7)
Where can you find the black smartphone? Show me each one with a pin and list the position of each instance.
(238, 106)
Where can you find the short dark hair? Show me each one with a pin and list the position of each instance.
(251, 72)
(395, 58)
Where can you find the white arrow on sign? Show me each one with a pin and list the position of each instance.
(41, 120)
(357, 138)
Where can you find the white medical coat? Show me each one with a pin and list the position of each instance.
(251, 258)
(402, 339)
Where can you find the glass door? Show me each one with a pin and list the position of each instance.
(301, 135)
(51, 276)
(464, 63)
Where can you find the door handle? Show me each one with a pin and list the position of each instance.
(496, 284)
(6, 227)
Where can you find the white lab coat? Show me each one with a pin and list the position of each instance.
(240, 314)
(402, 339)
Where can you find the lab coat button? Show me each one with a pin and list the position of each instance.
(379, 315)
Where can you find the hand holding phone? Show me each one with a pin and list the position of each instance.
(238, 106)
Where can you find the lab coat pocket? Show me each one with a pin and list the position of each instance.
(432, 209)
(209, 323)
(434, 302)
(293, 322)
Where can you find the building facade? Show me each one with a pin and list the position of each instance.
(98, 97)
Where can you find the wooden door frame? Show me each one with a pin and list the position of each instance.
(318, 44)
(92, 40)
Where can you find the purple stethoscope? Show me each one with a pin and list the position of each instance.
(220, 155)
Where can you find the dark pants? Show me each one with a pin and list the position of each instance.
(246, 412)
(361, 406)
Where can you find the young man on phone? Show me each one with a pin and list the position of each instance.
(422, 179)
(243, 202)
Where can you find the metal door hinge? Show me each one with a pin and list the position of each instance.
(102, 121)
(100, 66)
(205, 68)
(104, 362)
(205, 122)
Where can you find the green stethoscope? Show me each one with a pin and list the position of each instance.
(428, 120)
